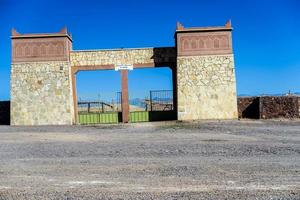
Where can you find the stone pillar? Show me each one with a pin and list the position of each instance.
(206, 82)
(41, 86)
(125, 98)
(174, 82)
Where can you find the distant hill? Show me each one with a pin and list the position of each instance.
(279, 94)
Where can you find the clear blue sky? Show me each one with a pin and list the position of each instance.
(265, 38)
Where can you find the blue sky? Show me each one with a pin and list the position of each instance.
(265, 38)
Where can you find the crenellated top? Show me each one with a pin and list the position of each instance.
(62, 33)
(226, 27)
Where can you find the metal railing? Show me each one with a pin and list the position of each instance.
(161, 100)
(100, 106)
(95, 112)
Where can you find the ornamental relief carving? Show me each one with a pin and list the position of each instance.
(36, 49)
(26, 50)
(204, 44)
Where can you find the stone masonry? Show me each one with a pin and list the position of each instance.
(41, 94)
(138, 56)
(206, 87)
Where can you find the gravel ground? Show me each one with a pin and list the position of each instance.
(173, 160)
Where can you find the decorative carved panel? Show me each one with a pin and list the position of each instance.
(204, 43)
(41, 49)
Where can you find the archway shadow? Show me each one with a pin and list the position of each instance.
(252, 110)
(166, 56)
(162, 115)
(4, 112)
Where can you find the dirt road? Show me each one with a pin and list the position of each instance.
(203, 160)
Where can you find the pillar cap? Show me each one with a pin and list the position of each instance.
(226, 27)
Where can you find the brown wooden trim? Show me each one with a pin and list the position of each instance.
(74, 92)
(125, 100)
(92, 68)
(144, 65)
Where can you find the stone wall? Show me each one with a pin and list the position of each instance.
(41, 93)
(206, 87)
(279, 107)
(4, 112)
(268, 107)
(154, 56)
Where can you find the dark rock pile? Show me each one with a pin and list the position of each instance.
(279, 107)
(268, 107)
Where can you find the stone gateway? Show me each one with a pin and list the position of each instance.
(44, 67)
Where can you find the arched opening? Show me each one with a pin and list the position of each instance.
(151, 95)
(124, 63)
(98, 97)
(102, 96)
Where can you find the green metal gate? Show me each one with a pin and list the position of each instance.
(98, 118)
(139, 116)
(159, 107)
(100, 112)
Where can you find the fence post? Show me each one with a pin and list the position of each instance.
(150, 100)
(102, 107)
